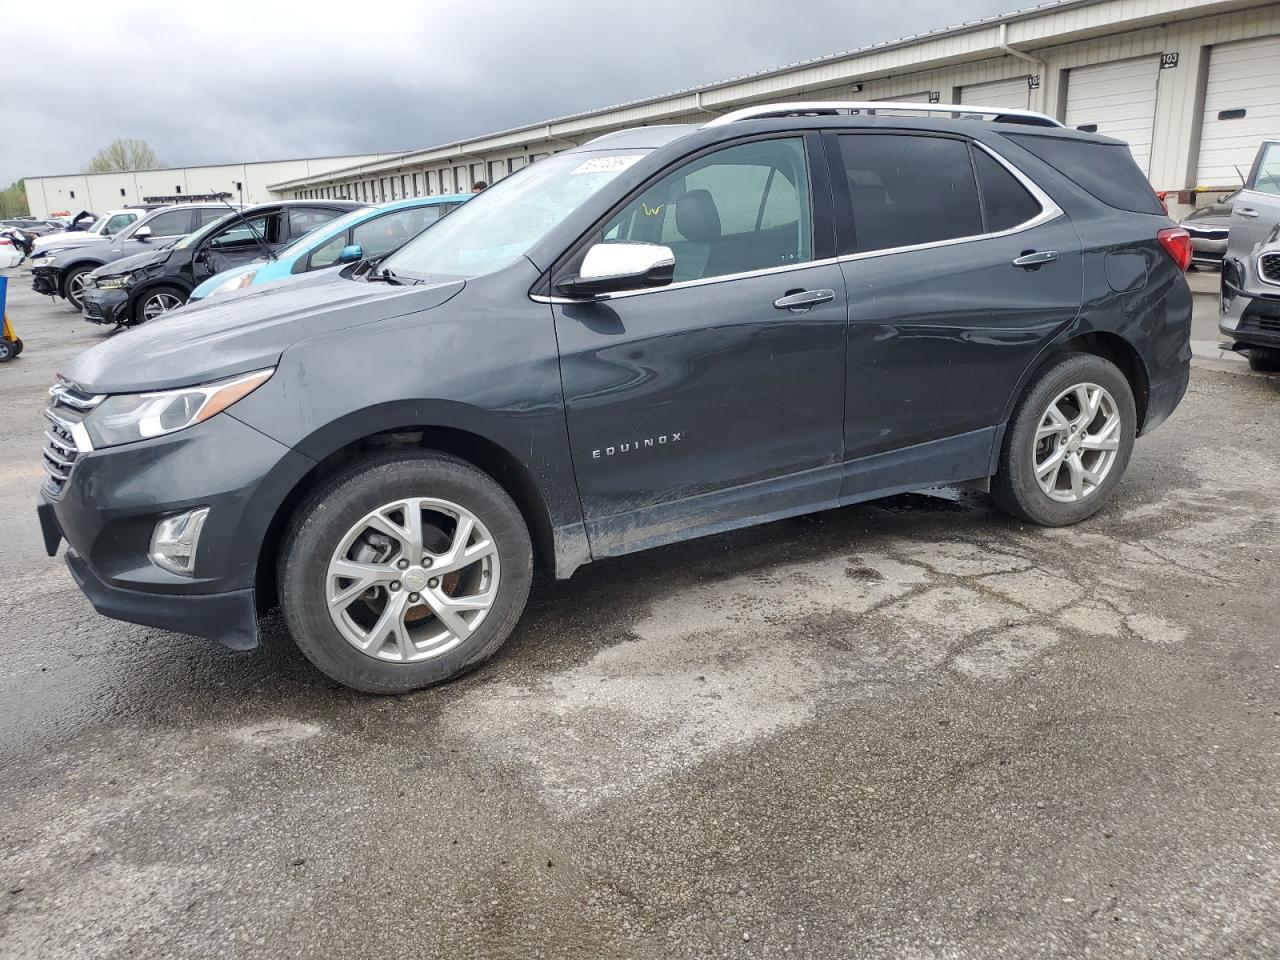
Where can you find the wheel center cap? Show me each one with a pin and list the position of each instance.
(415, 578)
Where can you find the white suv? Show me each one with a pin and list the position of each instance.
(107, 225)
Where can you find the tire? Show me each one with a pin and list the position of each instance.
(1264, 360)
(156, 296)
(318, 537)
(1072, 496)
(71, 284)
(17, 347)
(8, 351)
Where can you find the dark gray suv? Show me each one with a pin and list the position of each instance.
(666, 333)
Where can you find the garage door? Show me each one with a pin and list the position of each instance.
(1118, 100)
(1241, 106)
(1012, 94)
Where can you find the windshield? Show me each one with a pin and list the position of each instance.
(500, 224)
(330, 229)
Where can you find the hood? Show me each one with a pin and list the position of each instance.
(241, 332)
(61, 241)
(60, 256)
(133, 262)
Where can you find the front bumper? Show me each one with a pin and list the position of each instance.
(105, 306)
(113, 499)
(1249, 320)
(46, 280)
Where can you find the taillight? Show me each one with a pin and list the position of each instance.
(1177, 244)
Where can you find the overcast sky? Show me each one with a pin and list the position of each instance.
(230, 81)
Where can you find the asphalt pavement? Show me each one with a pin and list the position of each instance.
(910, 729)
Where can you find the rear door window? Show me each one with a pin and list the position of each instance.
(173, 223)
(908, 190)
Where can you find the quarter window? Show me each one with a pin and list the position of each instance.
(908, 190)
(736, 210)
(1005, 202)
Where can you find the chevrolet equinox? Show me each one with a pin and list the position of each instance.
(666, 333)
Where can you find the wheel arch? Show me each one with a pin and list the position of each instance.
(1101, 343)
(482, 452)
(65, 272)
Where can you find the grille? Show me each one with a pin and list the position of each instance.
(65, 439)
(1269, 267)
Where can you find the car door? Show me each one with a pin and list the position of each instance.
(1257, 207)
(239, 242)
(707, 403)
(959, 269)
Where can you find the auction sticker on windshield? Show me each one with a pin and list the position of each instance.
(606, 164)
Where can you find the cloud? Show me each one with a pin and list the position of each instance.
(231, 81)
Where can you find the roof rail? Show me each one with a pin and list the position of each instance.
(872, 107)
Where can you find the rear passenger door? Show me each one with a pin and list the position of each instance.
(958, 271)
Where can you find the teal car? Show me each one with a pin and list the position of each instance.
(365, 234)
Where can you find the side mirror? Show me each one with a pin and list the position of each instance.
(351, 253)
(614, 267)
(143, 234)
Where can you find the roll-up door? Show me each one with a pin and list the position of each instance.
(1117, 100)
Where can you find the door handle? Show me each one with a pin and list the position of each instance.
(1247, 212)
(801, 300)
(1035, 258)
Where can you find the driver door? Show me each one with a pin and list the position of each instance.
(710, 403)
(235, 244)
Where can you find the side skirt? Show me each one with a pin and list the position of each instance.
(966, 457)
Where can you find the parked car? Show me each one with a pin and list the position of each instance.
(62, 272)
(366, 234)
(31, 225)
(669, 332)
(1250, 304)
(107, 225)
(142, 286)
(10, 254)
(1208, 227)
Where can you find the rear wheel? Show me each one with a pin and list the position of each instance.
(156, 301)
(404, 571)
(73, 285)
(1264, 359)
(1068, 443)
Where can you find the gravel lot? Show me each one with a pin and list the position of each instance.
(910, 729)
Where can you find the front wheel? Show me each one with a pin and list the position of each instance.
(404, 571)
(73, 286)
(1264, 359)
(157, 301)
(1068, 442)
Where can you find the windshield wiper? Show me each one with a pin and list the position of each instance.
(386, 275)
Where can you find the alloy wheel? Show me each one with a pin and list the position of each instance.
(412, 579)
(75, 288)
(159, 303)
(1077, 442)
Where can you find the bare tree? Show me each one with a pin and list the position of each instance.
(123, 154)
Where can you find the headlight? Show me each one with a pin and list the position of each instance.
(127, 418)
(118, 282)
(234, 283)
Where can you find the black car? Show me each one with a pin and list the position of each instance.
(667, 333)
(62, 273)
(142, 286)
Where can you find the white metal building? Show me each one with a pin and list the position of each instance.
(1192, 85)
(100, 192)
